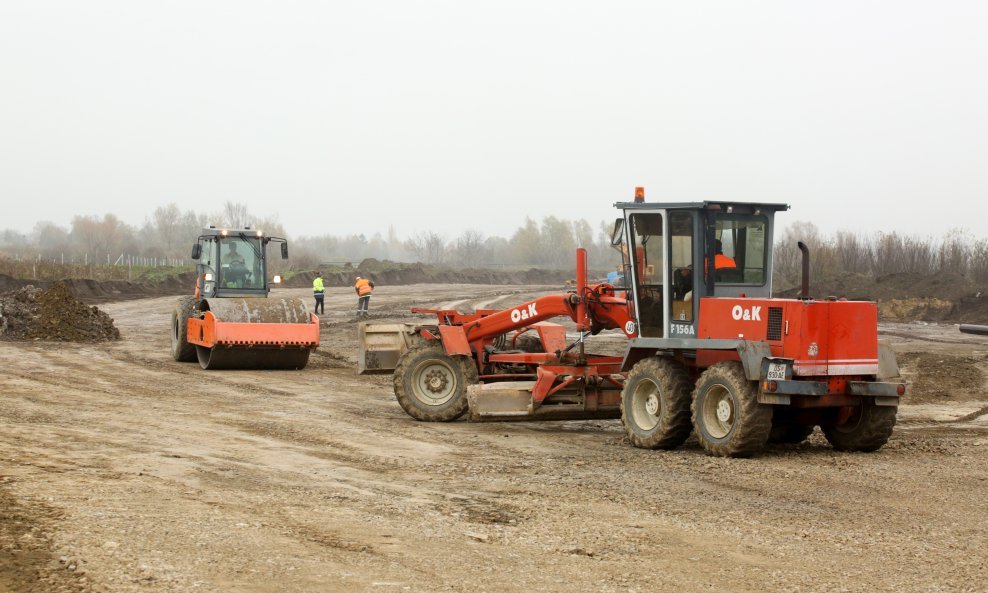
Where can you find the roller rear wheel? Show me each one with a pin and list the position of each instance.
(182, 350)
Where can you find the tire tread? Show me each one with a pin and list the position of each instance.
(447, 412)
(675, 387)
(753, 422)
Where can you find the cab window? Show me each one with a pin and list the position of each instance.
(240, 263)
(740, 251)
(681, 265)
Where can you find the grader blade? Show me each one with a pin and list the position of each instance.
(381, 344)
(505, 401)
(502, 400)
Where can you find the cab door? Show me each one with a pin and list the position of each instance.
(683, 297)
(646, 251)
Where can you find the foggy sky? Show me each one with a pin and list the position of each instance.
(350, 117)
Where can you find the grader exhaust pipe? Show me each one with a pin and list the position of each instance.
(805, 290)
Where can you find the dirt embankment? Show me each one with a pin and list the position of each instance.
(944, 297)
(54, 314)
(404, 274)
(96, 291)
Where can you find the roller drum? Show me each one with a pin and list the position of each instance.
(258, 310)
(266, 354)
(222, 358)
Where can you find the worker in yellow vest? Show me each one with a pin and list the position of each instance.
(364, 288)
(319, 292)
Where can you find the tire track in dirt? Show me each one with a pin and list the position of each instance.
(28, 563)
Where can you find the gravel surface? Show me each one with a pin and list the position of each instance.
(123, 471)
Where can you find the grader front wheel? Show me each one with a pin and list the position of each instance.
(727, 418)
(431, 385)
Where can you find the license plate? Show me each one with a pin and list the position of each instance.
(776, 371)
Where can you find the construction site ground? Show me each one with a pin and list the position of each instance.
(121, 471)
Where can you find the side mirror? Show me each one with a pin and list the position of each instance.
(197, 251)
(284, 251)
(617, 236)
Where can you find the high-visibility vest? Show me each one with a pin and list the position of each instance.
(363, 287)
(317, 286)
(721, 261)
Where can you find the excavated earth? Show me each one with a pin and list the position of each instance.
(53, 314)
(123, 471)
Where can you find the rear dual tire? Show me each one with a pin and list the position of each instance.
(867, 430)
(789, 433)
(727, 418)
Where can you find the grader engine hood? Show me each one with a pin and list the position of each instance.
(821, 337)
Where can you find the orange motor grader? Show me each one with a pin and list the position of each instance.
(709, 350)
(231, 322)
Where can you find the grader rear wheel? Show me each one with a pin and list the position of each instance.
(727, 418)
(655, 404)
(867, 430)
(182, 350)
(431, 385)
(785, 431)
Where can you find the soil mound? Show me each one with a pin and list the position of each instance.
(941, 297)
(391, 273)
(32, 313)
(941, 376)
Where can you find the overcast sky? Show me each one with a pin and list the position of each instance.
(349, 117)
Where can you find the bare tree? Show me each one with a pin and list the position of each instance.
(51, 239)
(470, 248)
(235, 215)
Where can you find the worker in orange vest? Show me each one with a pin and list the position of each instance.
(364, 289)
(721, 261)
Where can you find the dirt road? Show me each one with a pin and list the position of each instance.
(123, 471)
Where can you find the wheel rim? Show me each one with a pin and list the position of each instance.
(174, 331)
(853, 422)
(646, 404)
(434, 382)
(718, 411)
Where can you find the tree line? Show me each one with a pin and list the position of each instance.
(879, 254)
(168, 233)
